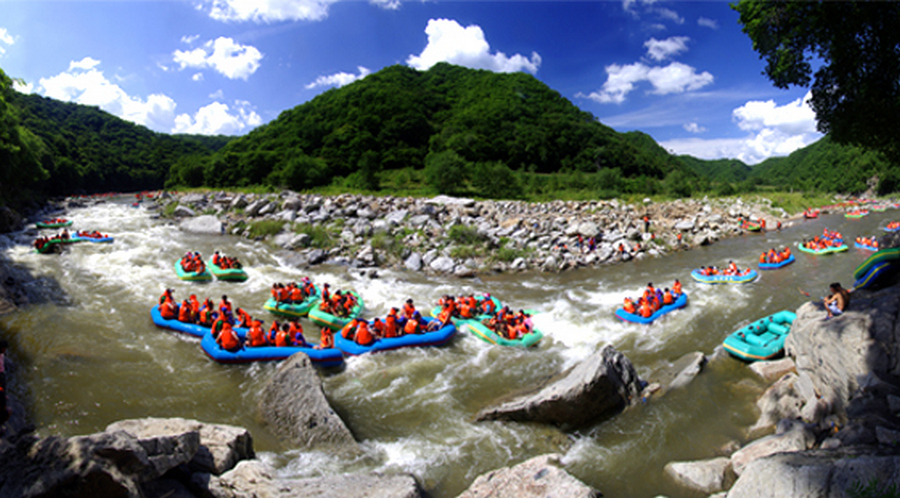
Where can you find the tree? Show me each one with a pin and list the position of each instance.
(446, 171)
(856, 89)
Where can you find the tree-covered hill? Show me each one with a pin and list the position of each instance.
(84, 149)
(719, 170)
(463, 128)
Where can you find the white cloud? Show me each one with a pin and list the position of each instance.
(339, 79)
(189, 39)
(660, 50)
(6, 38)
(84, 84)
(197, 77)
(23, 87)
(708, 23)
(86, 63)
(224, 55)
(217, 95)
(674, 78)
(450, 42)
(668, 14)
(267, 11)
(794, 118)
(387, 4)
(775, 131)
(218, 119)
(694, 128)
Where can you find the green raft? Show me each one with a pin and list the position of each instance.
(61, 224)
(53, 244)
(232, 274)
(827, 250)
(336, 323)
(293, 309)
(762, 339)
(481, 331)
(192, 276)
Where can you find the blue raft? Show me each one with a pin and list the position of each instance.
(865, 246)
(323, 358)
(680, 302)
(725, 279)
(96, 240)
(762, 339)
(775, 266)
(185, 328)
(436, 338)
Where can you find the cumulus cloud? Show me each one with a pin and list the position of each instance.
(23, 87)
(774, 131)
(637, 8)
(708, 23)
(5, 38)
(449, 42)
(668, 15)
(189, 39)
(84, 84)
(218, 119)
(661, 50)
(197, 77)
(674, 78)
(694, 128)
(268, 11)
(223, 55)
(339, 79)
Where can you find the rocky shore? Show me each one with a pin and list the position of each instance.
(447, 235)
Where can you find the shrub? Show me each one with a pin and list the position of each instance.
(465, 235)
(263, 228)
(319, 237)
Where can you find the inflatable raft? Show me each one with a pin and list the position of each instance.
(827, 250)
(97, 240)
(483, 332)
(811, 215)
(744, 278)
(192, 276)
(185, 328)
(856, 214)
(865, 246)
(872, 275)
(54, 224)
(323, 358)
(336, 323)
(882, 256)
(775, 266)
(762, 339)
(436, 338)
(680, 302)
(891, 229)
(752, 226)
(53, 244)
(232, 274)
(293, 309)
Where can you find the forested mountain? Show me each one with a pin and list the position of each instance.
(718, 170)
(88, 150)
(454, 123)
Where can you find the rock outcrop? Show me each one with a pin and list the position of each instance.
(206, 224)
(708, 476)
(603, 383)
(539, 477)
(294, 405)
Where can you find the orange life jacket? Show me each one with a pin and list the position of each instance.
(411, 327)
(256, 336)
(282, 339)
(228, 339)
(364, 336)
(629, 306)
(390, 326)
(167, 310)
(184, 312)
(327, 341)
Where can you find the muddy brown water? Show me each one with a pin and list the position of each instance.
(97, 358)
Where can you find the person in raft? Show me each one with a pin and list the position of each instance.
(837, 302)
(327, 340)
(228, 338)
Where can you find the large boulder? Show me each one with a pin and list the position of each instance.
(819, 474)
(708, 476)
(252, 478)
(794, 437)
(221, 446)
(539, 477)
(293, 403)
(206, 224)
(604, 382)
(103, 464)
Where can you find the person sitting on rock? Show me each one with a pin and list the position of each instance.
(837, 302)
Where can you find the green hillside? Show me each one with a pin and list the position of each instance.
(463, 130)
(718, 170)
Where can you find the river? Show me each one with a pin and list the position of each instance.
(91, 355)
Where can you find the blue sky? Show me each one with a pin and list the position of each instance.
(682, 72)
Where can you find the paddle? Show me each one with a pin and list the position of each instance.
(803, 292)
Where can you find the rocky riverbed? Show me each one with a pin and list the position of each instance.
(457, 236)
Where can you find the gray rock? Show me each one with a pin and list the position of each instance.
(252, 478)
(269, 208)
(684, 225)
(206, 224)
(183, 212)
(220, 447)
(780, 401)
(603, 383)
(253, 208)
(799, 438)
(295, 407)
(519, 264)
(550, 264)
(442, 264)
(287, 215)
(317, 256)
(413, 262)
(292, 203)
(194, 199)
(539, 477)
(419, 220)
(772, 370)
(238, 202)
(396, 217)
(818, 473)
(686, 368)
(588, 229)
(708, 476)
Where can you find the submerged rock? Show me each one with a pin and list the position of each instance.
(294, 405)
(604, 382)
(539, 477)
